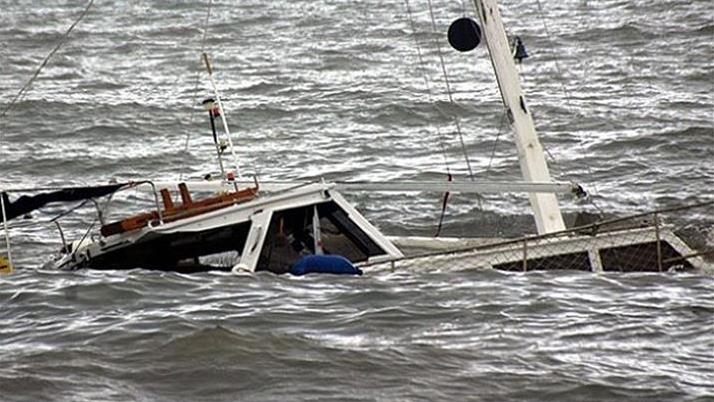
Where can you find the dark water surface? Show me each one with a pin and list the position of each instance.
(471, 335)
(335, 89)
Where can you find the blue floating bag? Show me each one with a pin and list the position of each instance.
(324, 264)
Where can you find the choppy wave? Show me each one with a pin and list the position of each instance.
(621, 94)
(393, 336)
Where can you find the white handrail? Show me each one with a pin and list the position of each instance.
(398, 186)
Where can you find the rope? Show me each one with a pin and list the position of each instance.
(59, 44)
(192, 116)
(444, 203)
(448, 88)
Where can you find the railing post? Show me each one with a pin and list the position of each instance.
(525, 255)
(6, 230)
(659, 242)
(64, 241)
(156, 200)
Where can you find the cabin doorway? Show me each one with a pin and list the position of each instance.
(291, 236)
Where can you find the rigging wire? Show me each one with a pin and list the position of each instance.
(426, 83)
(47, 222)
(441, 141)
(448, 90)
(568, 97)
(522, 77)
(495, 143)
(23, 91)
(18, 225)
(561, 76)
(69, 211)
(501, 124)
(194, 101)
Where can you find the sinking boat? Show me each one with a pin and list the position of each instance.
(311, 227)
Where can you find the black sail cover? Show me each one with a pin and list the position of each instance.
(29, 203)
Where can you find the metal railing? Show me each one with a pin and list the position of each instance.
(6, 252)
(630, 242)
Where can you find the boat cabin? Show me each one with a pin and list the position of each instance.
(236, 231)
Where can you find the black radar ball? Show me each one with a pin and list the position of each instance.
(464, 34)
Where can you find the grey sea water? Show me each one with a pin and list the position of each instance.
(623, 96)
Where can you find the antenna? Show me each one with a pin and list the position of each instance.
(213, 111)
(223, 117)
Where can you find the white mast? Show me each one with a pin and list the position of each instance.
(530, 152)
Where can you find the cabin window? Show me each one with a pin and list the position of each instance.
(641, 258)
(340, 235)
(290, 237)
(575, 261)
(216, 249)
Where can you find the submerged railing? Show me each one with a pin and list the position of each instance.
(641, 242)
